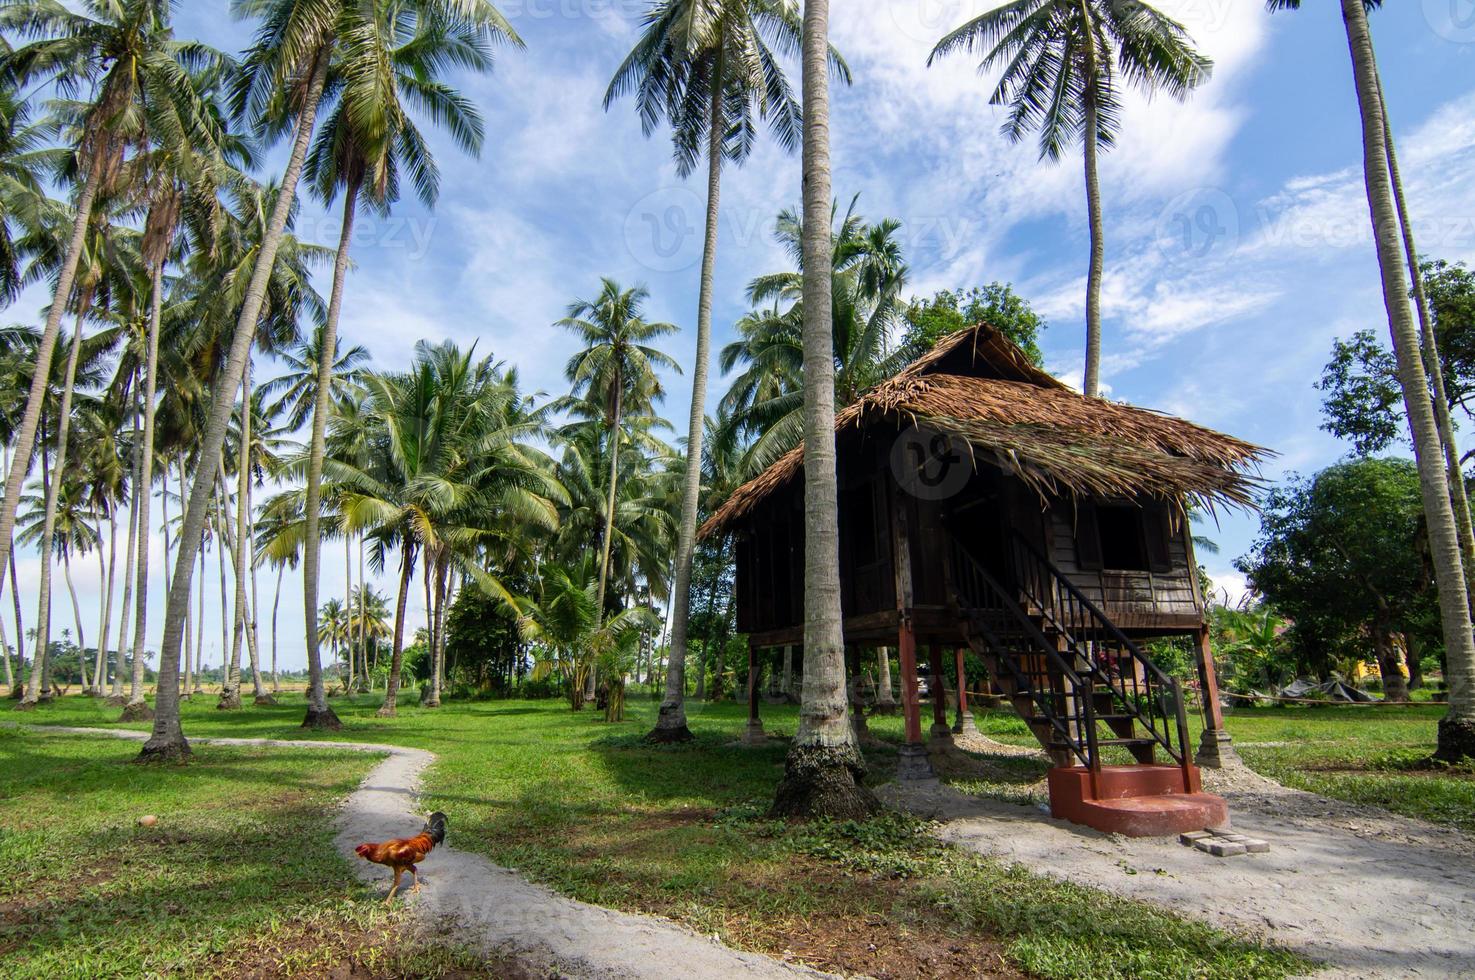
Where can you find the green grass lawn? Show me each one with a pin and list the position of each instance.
(238, 877)
(1369, 755)
(590, 809)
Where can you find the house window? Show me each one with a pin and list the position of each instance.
(1123, 539)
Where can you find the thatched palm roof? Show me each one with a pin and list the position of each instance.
(980, 387)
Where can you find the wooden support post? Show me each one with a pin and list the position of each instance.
(938, 684)
(965, 724)
(753, 733)
(1215, 747)
(910, 699)
(912, 761)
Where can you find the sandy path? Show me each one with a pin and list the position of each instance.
(1370, 893)
(497, 911)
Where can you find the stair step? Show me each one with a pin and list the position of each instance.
(1127, 742)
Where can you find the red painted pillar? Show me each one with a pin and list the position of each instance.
(910, 702)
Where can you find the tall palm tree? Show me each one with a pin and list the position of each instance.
(449, 463)
(294, 390)
(279, 542)
(766, 401)
(281, 85)
(709, 68)
(120, 52)
(1064, 62)
(61, 520)
(615, 372)
(824, 765)
(175, 169)
(1457, 728)
(391, 53)
(333, 627)
(1454, 474)
(52, 484)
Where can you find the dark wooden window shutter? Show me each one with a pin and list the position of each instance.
(1156, 527)
(1088, 537)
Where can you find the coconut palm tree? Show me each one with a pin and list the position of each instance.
(710, 69)
(868, 279)
(295, 389)
(333, 627)
(615, 372)
(280, 87)
(279, 543)
(61, 519)
(175, 173)
(821, 773)
(390, 54)
(1064, 62)
(121, 53)
(450, 462)
(1457, 728)
(1454, 474)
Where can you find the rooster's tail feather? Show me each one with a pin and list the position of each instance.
(436, 828)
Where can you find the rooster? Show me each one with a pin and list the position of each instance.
(403, 854)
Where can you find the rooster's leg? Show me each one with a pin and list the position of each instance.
(415, 874)
(398, 873)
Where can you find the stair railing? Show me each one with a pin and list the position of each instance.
(1143, 689)
(987, 602)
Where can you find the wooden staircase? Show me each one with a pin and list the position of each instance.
(1101, 708)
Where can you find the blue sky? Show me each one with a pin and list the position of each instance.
(1237, 235)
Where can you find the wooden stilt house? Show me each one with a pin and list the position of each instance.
(985, 506)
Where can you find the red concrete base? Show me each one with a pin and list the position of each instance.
(1136, 801)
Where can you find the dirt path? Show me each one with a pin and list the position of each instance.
(473, 901)
(1370, 893)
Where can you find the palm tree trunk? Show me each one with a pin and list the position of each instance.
(397, 657)
(199, 629)
(230, 695)
(823, 769)
(1457, 728)
(230, 681)
(136, 499)
(168, 741)
(48, 532)
(609, 517)
(66, 572)
(253, 607)
(363, 636)
(136, 709)
(347, 614)
(190, 627)
(5, 655)
(15, 598)
(319, 715)
(25, 438)
(1459, 500)
(671, 720)
(438, 630)
(20, 626)
(884, 697)
(276, 604)
(1092, 385)
(105, 569)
